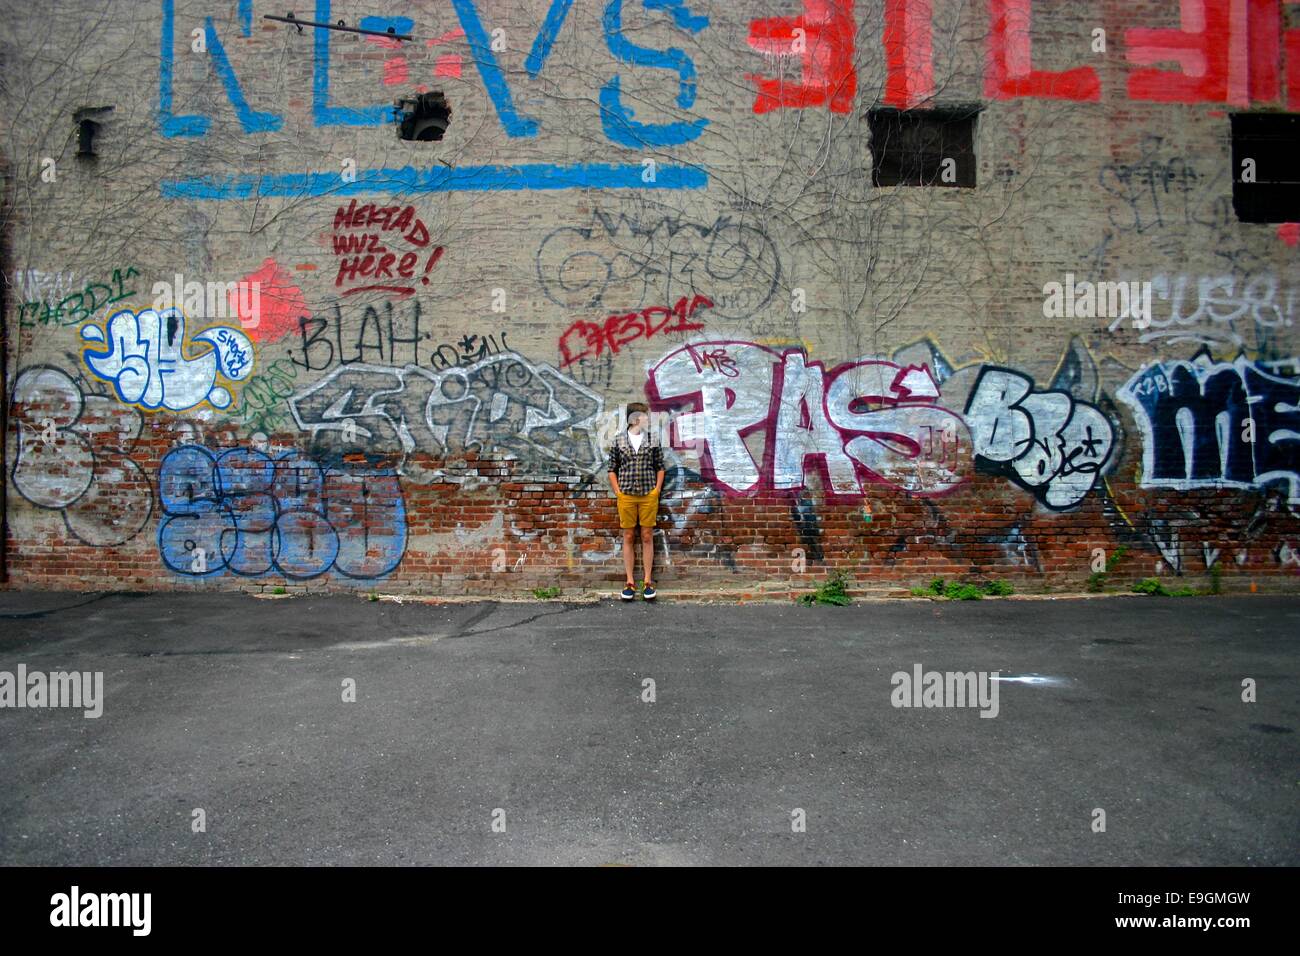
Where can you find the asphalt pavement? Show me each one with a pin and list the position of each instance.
(651, 734)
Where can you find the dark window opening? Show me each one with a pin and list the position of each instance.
(87, 126)
(86, 130)
(923, 147)
(423, 119)
(1266, 167)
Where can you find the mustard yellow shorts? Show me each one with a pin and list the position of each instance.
(637, 508)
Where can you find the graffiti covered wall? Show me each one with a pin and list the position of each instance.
(288, 306)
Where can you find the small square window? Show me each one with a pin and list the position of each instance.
(1266, 167)
(923, 147)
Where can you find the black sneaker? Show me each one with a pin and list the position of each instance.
(629, 593)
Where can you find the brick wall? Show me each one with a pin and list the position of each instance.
(672, 206)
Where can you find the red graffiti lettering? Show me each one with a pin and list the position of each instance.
(1010, 70)
(587, 339)
(1227, 51)
(713, 360)
(822, 39)
(1293, 69)
(908, 53)
(379, 261)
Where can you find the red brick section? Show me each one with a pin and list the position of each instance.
(568, 536)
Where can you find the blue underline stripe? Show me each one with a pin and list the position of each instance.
(437, 179)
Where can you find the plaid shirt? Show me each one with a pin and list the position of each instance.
(636, 470)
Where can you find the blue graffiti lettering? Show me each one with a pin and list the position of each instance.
(616, 119)
(546, 36)
(1208, 424)
(252, 120)
(493, 79)
(172, 125)
(244, 512)
(322, 112)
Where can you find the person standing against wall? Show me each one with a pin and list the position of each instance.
(636, 473)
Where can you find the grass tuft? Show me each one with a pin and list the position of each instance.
(1154, 588)
(833, 592)
(958, 591)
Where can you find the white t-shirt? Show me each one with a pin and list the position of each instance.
(636, 440)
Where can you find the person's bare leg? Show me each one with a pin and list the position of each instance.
(629, 552)
(647, 551)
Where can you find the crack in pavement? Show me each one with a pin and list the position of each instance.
(482, 614)
(501, 627)
(28, 615)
